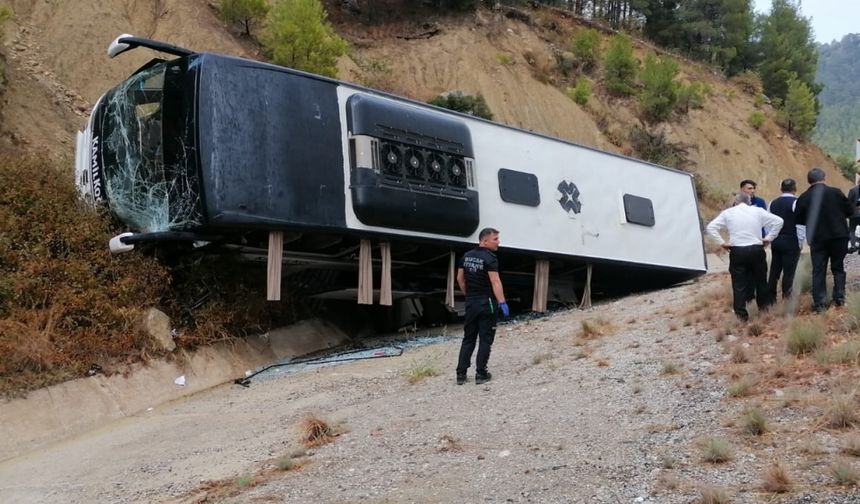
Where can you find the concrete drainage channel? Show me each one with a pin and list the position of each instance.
(78, 406)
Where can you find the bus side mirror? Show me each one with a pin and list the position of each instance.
(118, 47)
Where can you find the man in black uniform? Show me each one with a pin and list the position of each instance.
(478, 278)
(785, 249)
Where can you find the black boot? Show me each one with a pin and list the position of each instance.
(461, 378)
(483, 377)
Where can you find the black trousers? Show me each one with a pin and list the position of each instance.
(834, 251)
(481, 317)
(785, 252)
(748, 269)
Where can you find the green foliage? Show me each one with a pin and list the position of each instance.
(244, 12)
(298, 36)
(5, 14)
(620, 66)
(580, 93)
(798, 111)
(468, 104)
(756, 119)
(788, 50)
(715, 31)
(691, 95)
(659, 90)
(847, 166)
(586, 48)
(839, 120)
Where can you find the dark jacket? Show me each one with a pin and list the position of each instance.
(825, 211)
(854, 199)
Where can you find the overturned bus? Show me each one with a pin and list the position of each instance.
(207, 149)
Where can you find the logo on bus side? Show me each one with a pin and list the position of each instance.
(569, 200)
(96, 170)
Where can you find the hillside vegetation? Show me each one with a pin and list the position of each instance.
(539, 69)
(839, 121)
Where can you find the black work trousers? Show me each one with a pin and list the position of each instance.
(833, 250)
(481, 316)
(785, 252)
(748, 269)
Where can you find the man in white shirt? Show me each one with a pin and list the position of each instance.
(747, 260)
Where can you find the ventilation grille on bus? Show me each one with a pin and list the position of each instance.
(411, 163)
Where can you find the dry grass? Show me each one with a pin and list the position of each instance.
(753, 422)
(776, 479)
(715, 450)
(537, 359)
(755, 329)
(742, 387)
(851, 445)
(670, 368)
(739, 355)
(842, 412)
(315, 431)
(846, 352)
(713, 495)
(844, 473)
(420, 370)
(804, 336)
(595, 328)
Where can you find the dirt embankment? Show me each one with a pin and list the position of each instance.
(58, 68)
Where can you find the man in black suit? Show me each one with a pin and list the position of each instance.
(825, 211)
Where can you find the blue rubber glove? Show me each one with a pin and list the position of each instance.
(505, 310)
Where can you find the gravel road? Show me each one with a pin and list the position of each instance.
(613, 418)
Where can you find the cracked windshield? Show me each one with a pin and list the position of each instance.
(148, 184)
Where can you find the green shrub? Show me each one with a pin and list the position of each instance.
(798, 113)
(298, 36)
(756, 119)
(659, 89)
(691, 95)
(620, 66)
(585, 46)
(580, 93)
(245, 12)
(468, 104)
(804, 336)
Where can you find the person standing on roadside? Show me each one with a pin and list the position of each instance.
(854, 221)
(478, 278)
(825, 211)
(749, 187)
(747, 260)
(785, 249)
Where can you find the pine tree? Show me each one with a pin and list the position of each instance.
(659, 89)
(798, 112)
(787, 50)
(299, 37)
(246, 12)
(620, 66)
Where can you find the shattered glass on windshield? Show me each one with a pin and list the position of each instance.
(147, 173)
